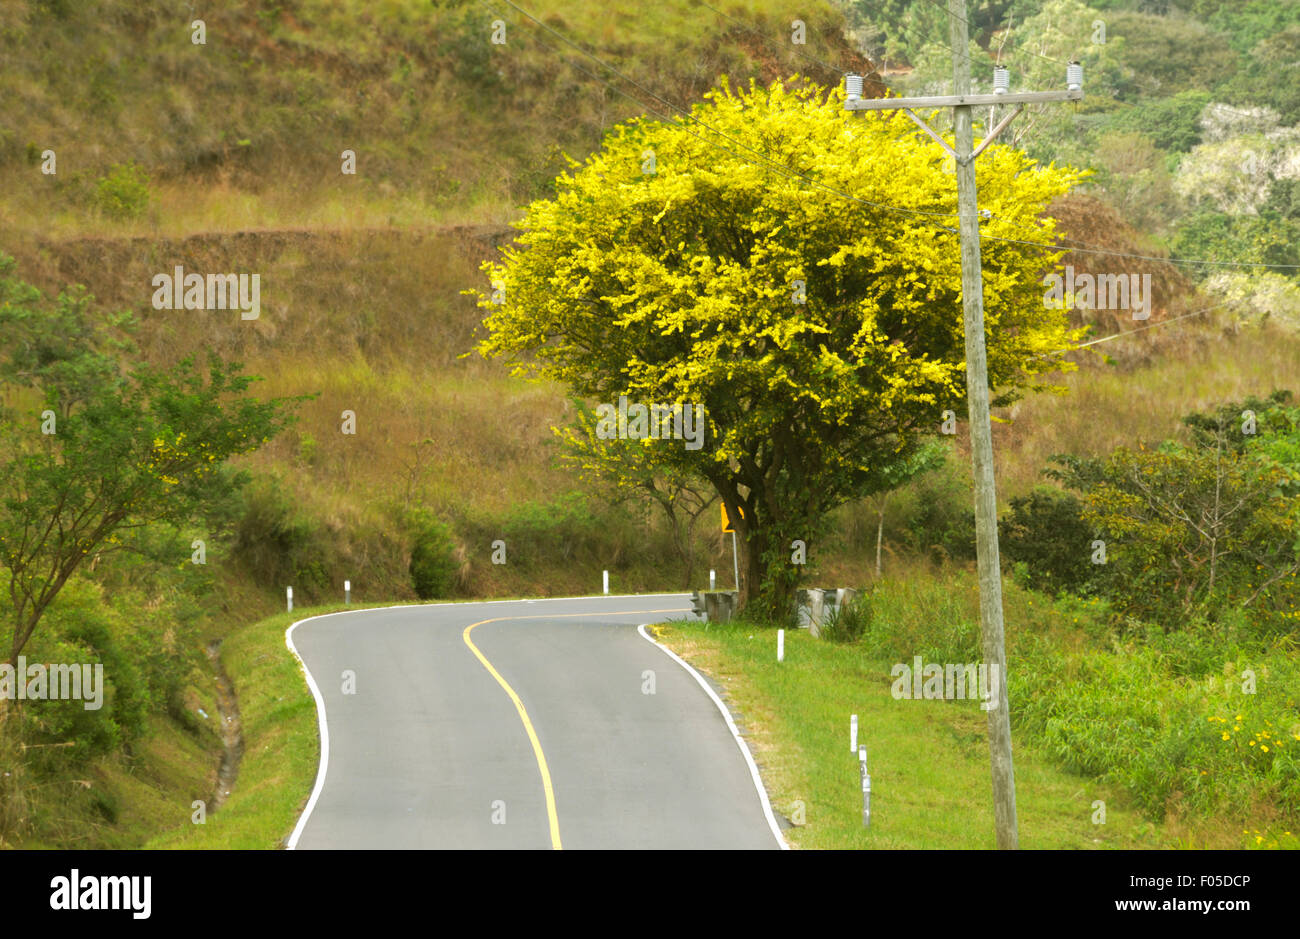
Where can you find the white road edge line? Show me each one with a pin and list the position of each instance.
(321, 769)
(735, 732)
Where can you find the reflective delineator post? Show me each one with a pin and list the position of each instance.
(347, 591)
(866, 788)
(780, 645)
(288, 592)
(606, 573)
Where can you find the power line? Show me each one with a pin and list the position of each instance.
(1129, 332)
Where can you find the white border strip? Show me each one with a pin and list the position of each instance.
(735, 732)
(323, 725)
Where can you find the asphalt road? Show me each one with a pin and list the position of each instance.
(431, 749)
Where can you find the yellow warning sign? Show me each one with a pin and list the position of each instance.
(726, 522)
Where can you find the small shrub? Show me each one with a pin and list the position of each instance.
(433, 561)
(937, 620)
(277, 542)
(939, 517)
(850, 622)
(565, 529)
(124, 192)
(1046, 533)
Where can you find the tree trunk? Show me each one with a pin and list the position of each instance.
(767, 589)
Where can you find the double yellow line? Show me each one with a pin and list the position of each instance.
(551, 814)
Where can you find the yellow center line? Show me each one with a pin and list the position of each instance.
(551, 814)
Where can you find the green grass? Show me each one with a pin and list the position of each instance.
(928, 760)
(1153, 723)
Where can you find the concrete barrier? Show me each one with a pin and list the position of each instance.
(817, 604)
(720, 605)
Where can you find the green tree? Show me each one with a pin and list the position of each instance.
(1172, 123)
(1045, 531)
(1268, 76)
(1209, 526)
(124, 192)
(130, 445)
(821, 334)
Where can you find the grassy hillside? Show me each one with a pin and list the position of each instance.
(246, 131)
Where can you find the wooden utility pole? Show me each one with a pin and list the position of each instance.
(977, 384)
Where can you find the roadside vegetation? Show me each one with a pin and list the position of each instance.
(1155, 726)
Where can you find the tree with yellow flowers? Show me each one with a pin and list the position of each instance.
(795, 270)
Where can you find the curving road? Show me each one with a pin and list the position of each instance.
(520, 724)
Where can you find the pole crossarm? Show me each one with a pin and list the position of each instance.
(993, 134)
(953, 101)
(926, 127)
(1002, 124)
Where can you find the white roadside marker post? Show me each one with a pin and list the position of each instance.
(853, 733)
(347, 592)
(866, 788)
(780, 645)
(606, 573)
(288, 591)
(713, 580)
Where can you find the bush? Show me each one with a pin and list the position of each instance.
(921, 615)
(1173, 123)
(1258, 82)
(940, 518)
(1165, 55)
(124, 192)
(85, 626)
(1207, 529)
(1266, 238)
(277, 543)
(1176, 741)
(1045, 531)
(566, 529)
(433, 561)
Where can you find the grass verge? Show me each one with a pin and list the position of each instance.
(281, 742)
(928, 759)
